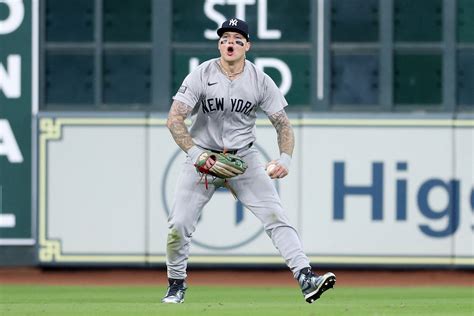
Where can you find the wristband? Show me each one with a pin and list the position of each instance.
(285, 160)
(194, 153)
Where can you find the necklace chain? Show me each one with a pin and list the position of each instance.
(229, 74)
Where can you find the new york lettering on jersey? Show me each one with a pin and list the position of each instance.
(212, 105)
(217, 104)
(241, 106)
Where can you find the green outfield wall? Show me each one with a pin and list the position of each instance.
(18, 37)
(400, 66)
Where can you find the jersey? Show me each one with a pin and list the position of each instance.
(225, 111)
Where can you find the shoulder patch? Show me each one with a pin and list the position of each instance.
(182, 89)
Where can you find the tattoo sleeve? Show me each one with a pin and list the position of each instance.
(286, 137)
(175, 123)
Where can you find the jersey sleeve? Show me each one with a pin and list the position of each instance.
(190, 90)
(272, 98)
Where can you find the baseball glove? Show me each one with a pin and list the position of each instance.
(222, 165)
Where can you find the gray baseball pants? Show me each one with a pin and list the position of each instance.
(254, 189)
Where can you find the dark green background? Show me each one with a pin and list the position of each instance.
(118, 56)
(299, 64)
(291, 18)
(15, 179)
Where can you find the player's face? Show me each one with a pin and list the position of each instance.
(233, 46)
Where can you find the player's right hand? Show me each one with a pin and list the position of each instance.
(209, 160)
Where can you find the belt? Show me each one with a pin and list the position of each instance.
(232, 152)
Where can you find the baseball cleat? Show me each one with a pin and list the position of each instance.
(175, 292)
(313, 286)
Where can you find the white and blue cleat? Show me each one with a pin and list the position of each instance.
(175, 292)
(313, 286)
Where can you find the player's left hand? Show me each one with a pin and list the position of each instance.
(276, 170)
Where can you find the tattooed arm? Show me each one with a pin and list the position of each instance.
(286, 143)
(286, 138)
(178, 113)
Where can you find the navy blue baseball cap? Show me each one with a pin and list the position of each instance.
(234, 25)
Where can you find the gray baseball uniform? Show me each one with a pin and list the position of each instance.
(223, 116)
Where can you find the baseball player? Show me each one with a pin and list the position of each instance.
(221, 97)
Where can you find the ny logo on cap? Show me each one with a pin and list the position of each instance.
(233, 22)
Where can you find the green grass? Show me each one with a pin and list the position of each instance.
(214, 300)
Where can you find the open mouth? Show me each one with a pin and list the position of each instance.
(230, 50)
